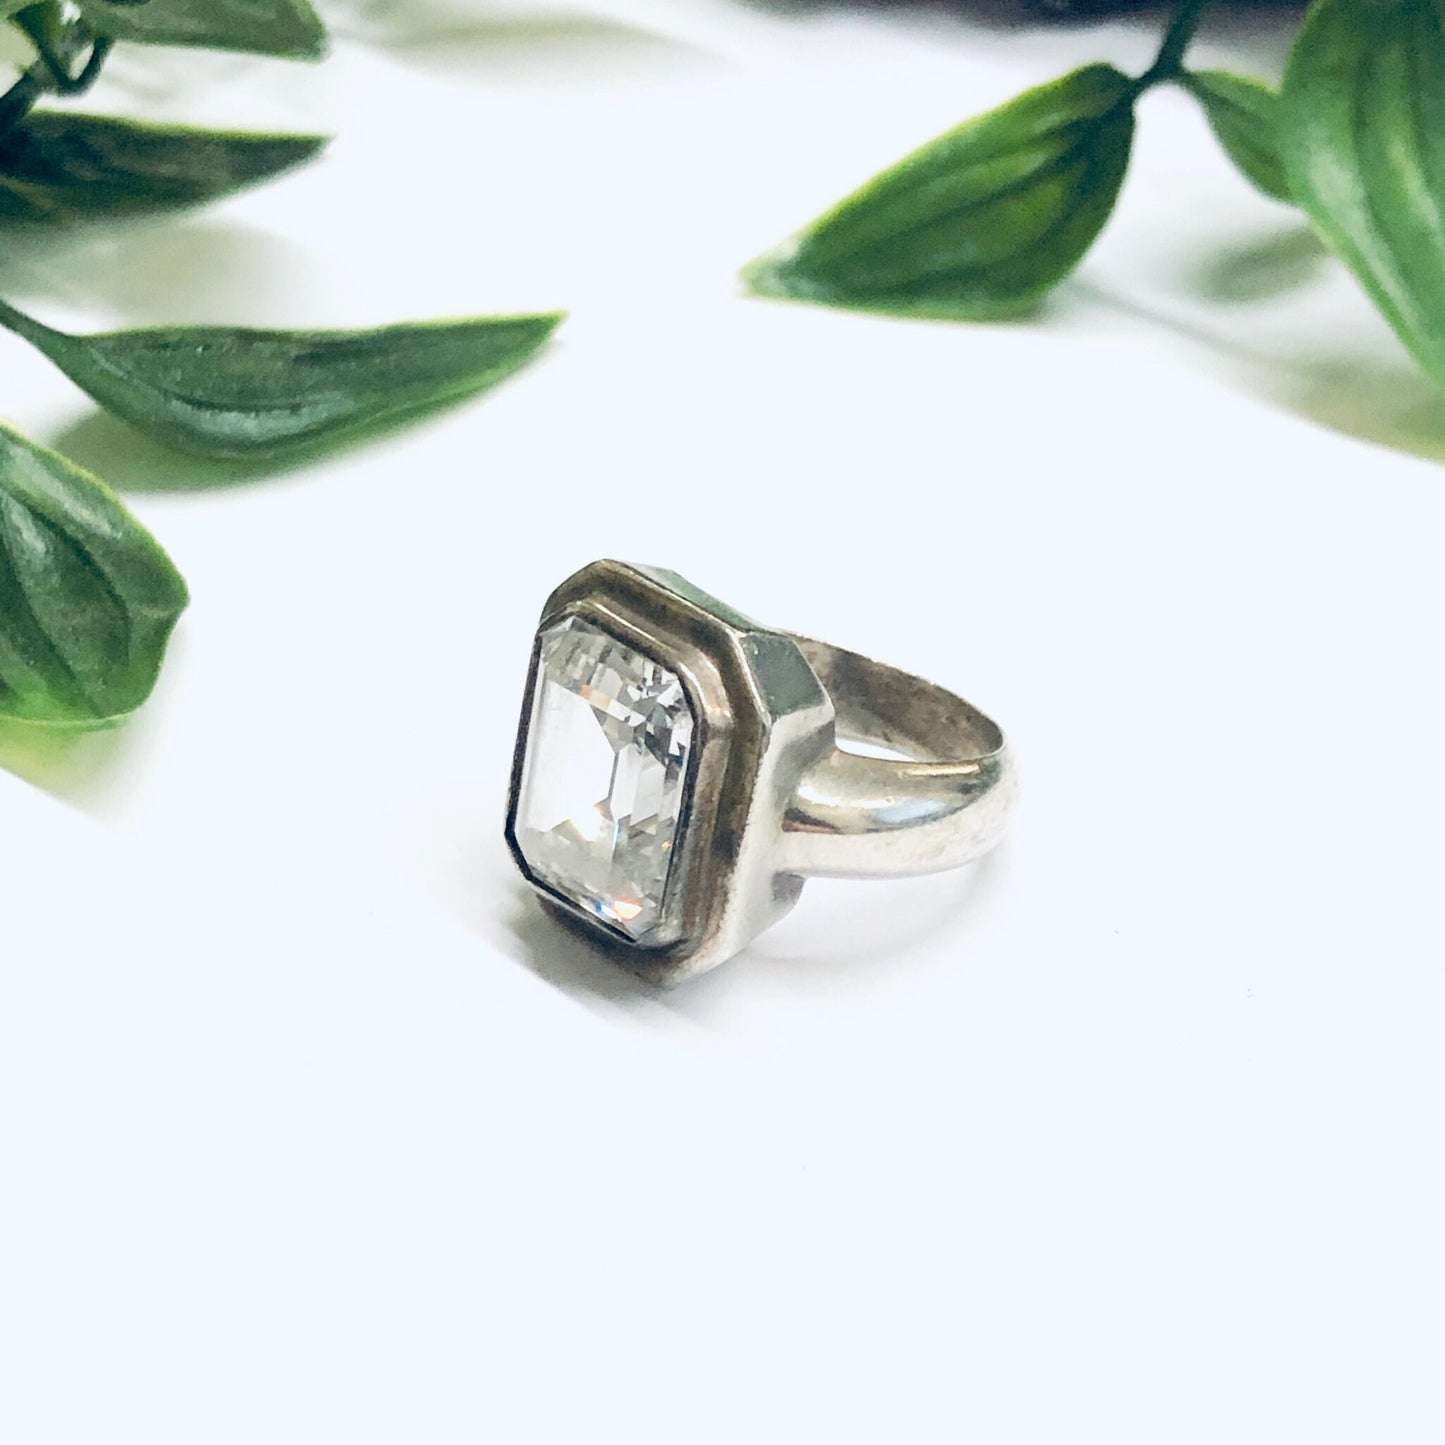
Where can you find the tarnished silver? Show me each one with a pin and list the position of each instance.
(771, 799)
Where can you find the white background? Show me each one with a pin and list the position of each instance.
(313, 1128)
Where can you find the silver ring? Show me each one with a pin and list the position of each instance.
(677, 773)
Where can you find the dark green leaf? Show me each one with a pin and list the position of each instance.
(264, 27)
(1244, 115)
(56, 165)
(1363, 130)
(234, 392)
(87, 597)
(979, 223)
(44, 25)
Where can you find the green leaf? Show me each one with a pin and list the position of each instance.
(42, 22)
(1244, 115)
(979, 223)
(87, 597)
(1363, 130)
(53, 27)
(289, 28)
(234, 392)
(58, 165)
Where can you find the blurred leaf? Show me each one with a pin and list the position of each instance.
(1363, 131)
(979, 223)
(44, 24)
(1244, 115)
(234, 392)
(87, 597)
(289, 28)
(56, 165)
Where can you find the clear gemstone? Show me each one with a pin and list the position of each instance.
(605, 774)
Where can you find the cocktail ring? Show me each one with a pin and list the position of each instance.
(677, 773)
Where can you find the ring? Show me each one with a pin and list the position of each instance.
(677, 773)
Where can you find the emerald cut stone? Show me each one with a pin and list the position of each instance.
(604, 776)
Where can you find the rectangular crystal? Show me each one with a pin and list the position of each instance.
(604, 776)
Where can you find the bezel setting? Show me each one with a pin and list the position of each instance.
(760, 720)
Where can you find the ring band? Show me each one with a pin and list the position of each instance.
(943, 805)
(677, 773)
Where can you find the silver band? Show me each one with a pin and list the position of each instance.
(677, 773)
(865, 817)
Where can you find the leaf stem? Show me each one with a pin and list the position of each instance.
(19, 100)
(52, 71)
(1169, 63)
(64, 83)
(25, 327)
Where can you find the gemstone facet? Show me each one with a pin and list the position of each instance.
(604, 776)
